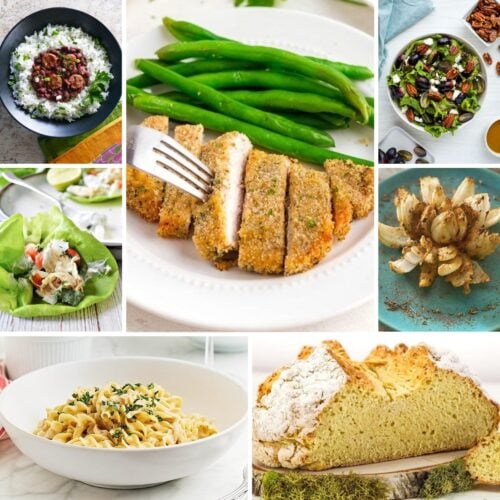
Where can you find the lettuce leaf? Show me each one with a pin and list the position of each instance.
(94, 199)
(16, 231)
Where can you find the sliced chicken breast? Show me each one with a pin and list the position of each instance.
(310, 223)
(218, 219)
(177, 209)
(352, 191)
(144, 191)
(263, 225)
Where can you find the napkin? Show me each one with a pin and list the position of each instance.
(3, 383)
(394, 17)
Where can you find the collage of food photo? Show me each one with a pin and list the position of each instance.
(248, 249)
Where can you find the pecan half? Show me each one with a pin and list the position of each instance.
(469, 66)
(498, 68)
(436, 96)
(466, 86)
(448, 121)
(421, 49)
(410, 114)
(411, 89)
(454, 50)
(487, 58)
(452, 73)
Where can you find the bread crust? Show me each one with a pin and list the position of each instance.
(388, 373)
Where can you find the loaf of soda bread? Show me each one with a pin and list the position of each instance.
(325, 410)
(483, 461)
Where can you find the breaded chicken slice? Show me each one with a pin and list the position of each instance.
(177, 209)
(352, 191)
(310, 223)
(144, 191)
(263, 224)
(217, 220)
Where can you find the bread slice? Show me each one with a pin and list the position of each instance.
(326, 410)
(483, 461)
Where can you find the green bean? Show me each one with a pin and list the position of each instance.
(311, 119)
(219, 102)
(267, 55)
(296, 101)
(267, 79)
(190, 69)
(220, 123)
(189, 32)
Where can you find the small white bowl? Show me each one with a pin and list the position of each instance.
(398, 138)
(25, 354)
(469, 12)
(204, 391)
(494, 153)
(470, 48)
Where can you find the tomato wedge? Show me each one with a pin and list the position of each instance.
(74, 254)
(31, 251)
(36, 279)
(39, 260)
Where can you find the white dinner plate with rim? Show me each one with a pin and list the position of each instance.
(17, 199)
(168, 279)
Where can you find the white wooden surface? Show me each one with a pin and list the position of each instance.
(103, 317)
(467, 145)
(21, 478)
(143, 16)
(17, 144)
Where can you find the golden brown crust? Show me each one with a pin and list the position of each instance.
(352, 193)
(177, 208)
(144, 192)
(472, 455)
(262, 230)
(310, 223)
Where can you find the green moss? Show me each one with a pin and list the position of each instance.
(294, 486)
(445, 479)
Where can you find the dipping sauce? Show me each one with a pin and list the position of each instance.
(59, 74)
(493, 137)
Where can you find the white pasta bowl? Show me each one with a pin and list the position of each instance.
(204, 391)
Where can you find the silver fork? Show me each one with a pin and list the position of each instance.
(161, 156)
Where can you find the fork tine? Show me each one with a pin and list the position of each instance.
(182, 165)
(146, 152)
(187, 154)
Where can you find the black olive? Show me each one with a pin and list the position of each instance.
(413, 59)
(399, 60)
(381, 156)
(444, 40)
(391, 153)
(445, 86)
(396, 92)
(422, 83)
(460, 99)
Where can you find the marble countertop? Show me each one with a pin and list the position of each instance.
(143, 16)
(18, 145)
(21, 478)
(467, 145)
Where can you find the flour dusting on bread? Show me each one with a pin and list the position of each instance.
(298, 396)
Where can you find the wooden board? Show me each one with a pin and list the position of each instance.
(405, 477)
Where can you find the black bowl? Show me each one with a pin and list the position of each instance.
(69, 17)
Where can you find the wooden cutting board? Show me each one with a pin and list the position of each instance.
(405, 477)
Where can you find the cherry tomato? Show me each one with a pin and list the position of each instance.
(39, 260)
(31, 251)
(74, 254)
(36, 279)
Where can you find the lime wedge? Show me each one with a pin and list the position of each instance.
(61, 178)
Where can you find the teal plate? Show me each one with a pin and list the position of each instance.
(403, 306)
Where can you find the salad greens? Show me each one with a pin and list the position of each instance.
(97, 185)
(437, 82)
(22, 240)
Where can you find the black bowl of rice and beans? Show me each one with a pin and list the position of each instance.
(60, 72)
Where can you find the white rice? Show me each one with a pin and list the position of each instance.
(55, 37)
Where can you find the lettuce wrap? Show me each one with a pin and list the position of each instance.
(16, 291)
(97, 185)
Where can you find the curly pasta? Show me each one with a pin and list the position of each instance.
(128, 416)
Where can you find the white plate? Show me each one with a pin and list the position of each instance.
(168, 278)
(204, 391)
(16, 199)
